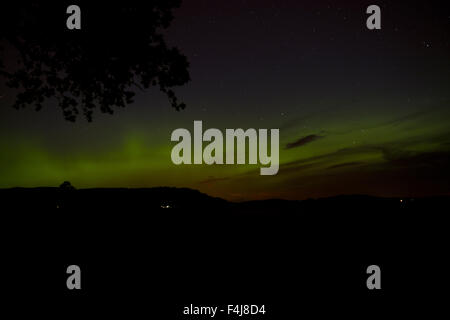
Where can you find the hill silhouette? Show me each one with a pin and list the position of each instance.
(182, 245)
(67, 197)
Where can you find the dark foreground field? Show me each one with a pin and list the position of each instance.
(153, 251)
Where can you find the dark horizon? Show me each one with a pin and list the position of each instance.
(170, 191)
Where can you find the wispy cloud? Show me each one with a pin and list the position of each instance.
(302, 141)
(346, 164)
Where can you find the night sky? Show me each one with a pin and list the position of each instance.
(359, 111)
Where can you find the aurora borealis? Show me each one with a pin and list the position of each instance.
(359, 111)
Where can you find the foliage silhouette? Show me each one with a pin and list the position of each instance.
(66, 185)
(120, 48)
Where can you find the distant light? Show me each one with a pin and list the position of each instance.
(401, 200)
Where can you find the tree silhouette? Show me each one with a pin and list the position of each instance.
(66, 185)
(119, 49)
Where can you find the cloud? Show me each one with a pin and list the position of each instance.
(377, 157)
(438, 160)
(302, 141)
(346, 164)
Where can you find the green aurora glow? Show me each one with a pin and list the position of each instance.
(352, 147)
